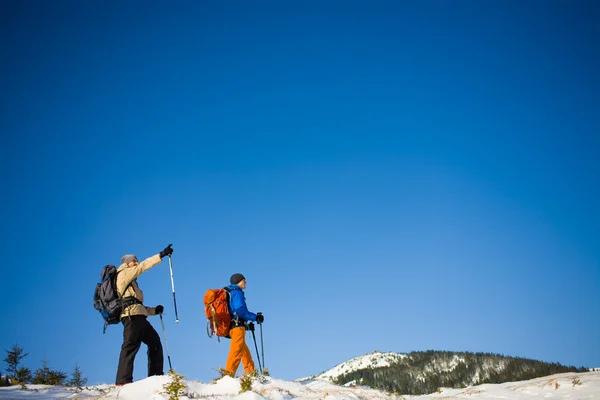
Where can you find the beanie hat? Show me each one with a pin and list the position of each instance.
(127, 258)
(236, 278)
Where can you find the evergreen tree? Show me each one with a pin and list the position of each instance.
(13, 359)
(77, 379)
(40, 376)
(23, 375)
(45, 376)
(56, 378)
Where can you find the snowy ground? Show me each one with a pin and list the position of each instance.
(572, 386)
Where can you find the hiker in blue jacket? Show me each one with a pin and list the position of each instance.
(240, 316)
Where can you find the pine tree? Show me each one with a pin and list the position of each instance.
(77, 379)
(23, 375)
(45, 376)
(13, 359)
(40, 376)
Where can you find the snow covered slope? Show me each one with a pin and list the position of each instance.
(371, 360)
(570, 386)
(431, 368)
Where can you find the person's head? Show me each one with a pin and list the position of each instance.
(238, 279)
(129, 259)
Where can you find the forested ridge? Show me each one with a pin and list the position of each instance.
(425, 372)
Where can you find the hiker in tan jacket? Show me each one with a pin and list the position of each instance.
(137, 329)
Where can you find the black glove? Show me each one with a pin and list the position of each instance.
(159, 309)
(260, 318)
(250, 327)
(166, 252)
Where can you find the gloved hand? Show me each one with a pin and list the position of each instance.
(260, 318)
(250, 327)
(166, 252)
(159, 309)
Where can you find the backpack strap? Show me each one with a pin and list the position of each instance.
(129, 300)
(235, 319)
(126, 287)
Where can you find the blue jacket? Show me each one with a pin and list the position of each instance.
(237, 304)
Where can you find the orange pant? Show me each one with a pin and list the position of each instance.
(238, 351)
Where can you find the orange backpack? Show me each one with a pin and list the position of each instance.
(216, 308)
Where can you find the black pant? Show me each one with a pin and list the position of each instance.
(137, 330)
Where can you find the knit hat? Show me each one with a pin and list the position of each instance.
(127, 258)
(236, 278)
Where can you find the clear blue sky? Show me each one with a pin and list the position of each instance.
(394, 176)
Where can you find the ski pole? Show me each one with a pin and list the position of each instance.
(251, 327)
(262, 346)
(166, 343)
(173, 287)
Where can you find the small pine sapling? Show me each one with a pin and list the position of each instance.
(176, 387)
(246, 382)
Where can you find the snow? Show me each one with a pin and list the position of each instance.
(570, 386)
(373, 360)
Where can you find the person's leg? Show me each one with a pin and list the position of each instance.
(235, 349)
(132, 340)
(247, 359)
(155, 351)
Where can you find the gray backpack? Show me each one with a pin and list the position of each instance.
(108, 300)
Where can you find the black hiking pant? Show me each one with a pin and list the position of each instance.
(138, 330)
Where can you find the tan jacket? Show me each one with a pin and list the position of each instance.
(128, 275)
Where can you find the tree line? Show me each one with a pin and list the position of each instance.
(425, 372)
(16, 373)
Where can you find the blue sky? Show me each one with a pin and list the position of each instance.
(394, 176)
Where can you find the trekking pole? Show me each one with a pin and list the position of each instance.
(251, 327)
(173, 287)
(166, 343)
(262, 346)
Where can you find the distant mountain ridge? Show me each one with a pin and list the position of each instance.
(376, 359)
(425, 372)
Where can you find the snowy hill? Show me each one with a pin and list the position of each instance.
(424, 372)
(561, 386)
(372, 360)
